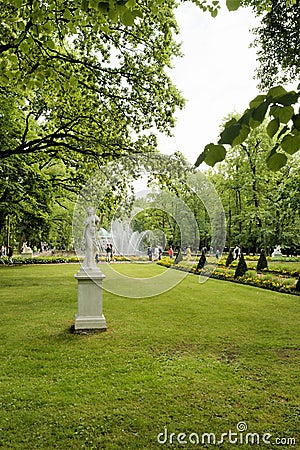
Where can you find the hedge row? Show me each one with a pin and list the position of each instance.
(19, 260)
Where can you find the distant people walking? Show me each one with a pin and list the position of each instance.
(188, 254)
(171, 252)
(10, 254)
(217, 254)
(108, 253)
(149, 253)
(159, 253)
(112, 255)
(156, 254)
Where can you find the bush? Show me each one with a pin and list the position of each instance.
(262, 262)
(178, 257)
(298, 285)
(166, 262)
(44, 260)
(241, 267)
(201, 262)
(230, 258)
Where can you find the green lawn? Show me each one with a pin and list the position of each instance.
(197, 359)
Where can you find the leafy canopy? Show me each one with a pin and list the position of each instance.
(278, 40)
(88, 76)
(284, 125)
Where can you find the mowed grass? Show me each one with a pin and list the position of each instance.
(199, 358)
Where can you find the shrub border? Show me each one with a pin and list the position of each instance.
(263, 284)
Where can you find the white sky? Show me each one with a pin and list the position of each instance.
(215, 75)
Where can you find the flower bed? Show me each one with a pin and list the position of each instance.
(280, 282)
(285, 268)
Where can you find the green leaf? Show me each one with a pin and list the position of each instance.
(273, 127)
(257, 101)
(214, 154)
(259, 113)
(4, 80)
(233, 5)
(230, 122)
(244, 131)
(13, 59)
(276, 161)
(67, 14)
(130, 4)
(277, 91)
(290, 143)
(296, 121)
(93, 3)
(128, 18)
(85, 5)
(73, 81)
(253, 123)
(289, 99)
(283, 113)
(230, 133)
(112, 14)
(137, 13)
(200, 159)
(50, 44)
(103, 7)
(21, 25)
(246, 117)
(24, 47)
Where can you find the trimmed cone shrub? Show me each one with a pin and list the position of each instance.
(262, 262)
(298, 285)
(201, 262)
(179, 257)
(241, 267)
(230, 258)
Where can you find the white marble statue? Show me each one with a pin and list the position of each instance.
(90, 239)
(277, 251)
(26, 249)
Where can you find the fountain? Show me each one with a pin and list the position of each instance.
(104, 238)
(126, 241)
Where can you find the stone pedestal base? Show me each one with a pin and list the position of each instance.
(90, 315)
(27, 255)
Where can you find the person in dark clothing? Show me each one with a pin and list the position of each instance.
(10, 254)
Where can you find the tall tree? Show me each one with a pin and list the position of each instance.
(277, 42)
(87, 80)
(258, 202)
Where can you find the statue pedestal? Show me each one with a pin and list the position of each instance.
(90, 315)
(27, 254)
